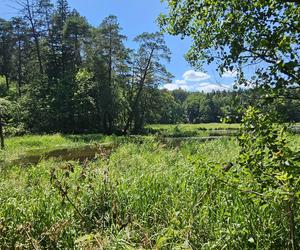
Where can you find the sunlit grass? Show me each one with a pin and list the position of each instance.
(30, 142)
(196, 126)
(192, 130)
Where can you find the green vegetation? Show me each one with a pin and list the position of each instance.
(193, 130)
(159, 197)
(32, 148)
(61, 74)
(37, 146)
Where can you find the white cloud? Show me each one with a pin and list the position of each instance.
(192, 75)
(193, 81)
(180, 82)
(210, 87)
(170, 86)
(176, 85)
(197, 86)
(229, 73)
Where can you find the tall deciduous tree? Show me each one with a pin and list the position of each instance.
(20, 38)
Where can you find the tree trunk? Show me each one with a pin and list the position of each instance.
(291, 221)
(110, 99)
(77, 51)
(7, 81)
(19, 67)
(37, 45)
(105, 122)
(1, 135)
(35, 36)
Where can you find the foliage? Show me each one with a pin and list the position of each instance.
(267, 156)
(5, 108)
(165, 109)
(236, 33)
(265, 147)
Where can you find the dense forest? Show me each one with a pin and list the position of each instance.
(61, 74)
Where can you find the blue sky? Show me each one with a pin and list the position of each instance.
(135, 17)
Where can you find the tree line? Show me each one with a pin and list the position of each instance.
(180, 106)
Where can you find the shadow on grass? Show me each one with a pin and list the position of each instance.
(86, 138)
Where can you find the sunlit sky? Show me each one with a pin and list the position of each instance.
(135, 17)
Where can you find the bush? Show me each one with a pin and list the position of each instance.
(274, 170)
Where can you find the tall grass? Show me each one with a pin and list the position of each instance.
(192, 130)
(146, 195)
(203, 126)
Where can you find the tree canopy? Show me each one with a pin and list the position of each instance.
(238, 33)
